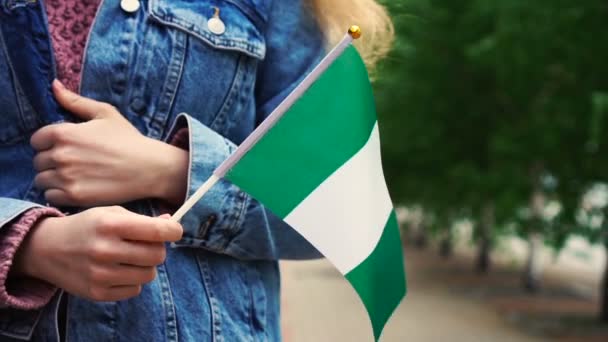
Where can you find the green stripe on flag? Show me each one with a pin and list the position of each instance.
(324, 129)
(380, 279)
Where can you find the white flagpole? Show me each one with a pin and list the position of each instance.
(353, 33)
(179, 214)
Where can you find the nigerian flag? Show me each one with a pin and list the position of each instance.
(319, 169)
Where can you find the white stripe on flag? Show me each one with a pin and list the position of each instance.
(345, 216)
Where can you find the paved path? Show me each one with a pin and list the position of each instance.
(319, 305)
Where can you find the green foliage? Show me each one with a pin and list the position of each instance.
(479, 98)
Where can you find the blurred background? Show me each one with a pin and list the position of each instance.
(494, 116)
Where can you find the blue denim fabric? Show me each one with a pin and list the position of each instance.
(164, 70)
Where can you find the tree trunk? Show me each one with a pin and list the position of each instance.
(604, 298)
(421, 240)
(533, 271)
(485, 235)
(483, 255)
(445, 247)
(534, 268)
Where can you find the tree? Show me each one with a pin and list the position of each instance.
(480, 99)
(438, 105)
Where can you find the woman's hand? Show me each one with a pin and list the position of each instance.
(105, 160)
(102, 254)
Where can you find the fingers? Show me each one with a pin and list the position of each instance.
(83, 107)
(140, 254)
(53, 158)
(44, 138)
(48, 136)
(47, 180)
(59, 197)
(148, 229)
(121, 275)
(126, 275)
(44, 161)
(55, 191)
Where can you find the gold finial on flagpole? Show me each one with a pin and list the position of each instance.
(355, 32)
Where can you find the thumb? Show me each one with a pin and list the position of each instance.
(83, 107)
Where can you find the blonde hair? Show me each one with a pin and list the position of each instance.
(336, 16)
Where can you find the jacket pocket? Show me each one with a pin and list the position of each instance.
(242, 23)
(26, 72)
(13, 127)
(219, 63)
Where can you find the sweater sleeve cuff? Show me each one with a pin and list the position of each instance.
(15, 291)
(181, 138)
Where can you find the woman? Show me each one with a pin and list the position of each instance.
(108, 135)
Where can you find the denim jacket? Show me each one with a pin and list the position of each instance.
(163, 69)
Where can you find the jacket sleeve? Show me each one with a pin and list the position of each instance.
(21, 299)
(227, 220)
(12, 208)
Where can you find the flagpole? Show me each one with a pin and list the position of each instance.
(353, 33)
(179, 214)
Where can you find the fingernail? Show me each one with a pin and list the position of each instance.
(165, 216)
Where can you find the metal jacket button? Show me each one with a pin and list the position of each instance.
(215, 24)
(130, 6)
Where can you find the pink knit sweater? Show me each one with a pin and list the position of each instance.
(69, 24)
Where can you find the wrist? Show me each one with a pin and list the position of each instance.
(32, 250)
(171, 173)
